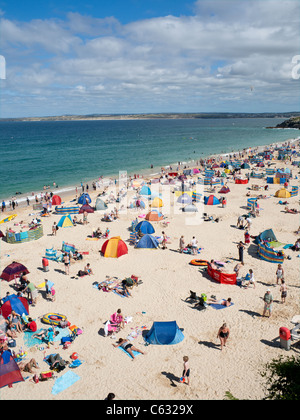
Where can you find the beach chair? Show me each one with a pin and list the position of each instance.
(110, 328)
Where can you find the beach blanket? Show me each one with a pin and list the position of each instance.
(121, 290)
(135, 353)
(111, 283)
(65, 381)
(287, 246)
(219, 305)
(30, 341)
(275, 244)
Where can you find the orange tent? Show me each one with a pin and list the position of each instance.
(154, 216)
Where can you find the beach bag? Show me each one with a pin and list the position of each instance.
(127, 282)
(35, 378)
(81, 273)
(11, 343)
(66, 340)
(63, 324)
(46, 375)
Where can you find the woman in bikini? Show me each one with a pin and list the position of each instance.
(127, 346)
(66, 260)
(223, 335)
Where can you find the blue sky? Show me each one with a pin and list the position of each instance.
(136, 56)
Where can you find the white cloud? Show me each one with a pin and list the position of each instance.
(213, 56)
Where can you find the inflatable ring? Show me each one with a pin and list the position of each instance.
(53, 319)
(198, 262)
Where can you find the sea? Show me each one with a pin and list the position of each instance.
(64, 154)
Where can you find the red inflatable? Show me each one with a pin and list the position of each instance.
(221, 277)
(241, 181)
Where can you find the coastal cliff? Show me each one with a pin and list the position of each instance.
(293, 122)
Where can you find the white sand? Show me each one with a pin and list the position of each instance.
(167, 280)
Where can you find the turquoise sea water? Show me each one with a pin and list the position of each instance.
(34, 154)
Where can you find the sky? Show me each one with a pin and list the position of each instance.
(148, 56)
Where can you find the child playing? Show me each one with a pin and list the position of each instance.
(186, 369)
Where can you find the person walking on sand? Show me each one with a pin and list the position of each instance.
(181, 244)
(268, 300)
(279, 273)
(186, 370)
(54, 229)
(223, 335)
(283, 290)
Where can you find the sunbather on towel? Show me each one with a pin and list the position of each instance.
(126, 345)
(220, 302)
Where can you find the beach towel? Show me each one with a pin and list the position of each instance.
(135, 353)
(29, 341)
(75, 363)
(219, 305)
(287, 246)
(65, 381)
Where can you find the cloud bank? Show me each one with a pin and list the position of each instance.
(228, 56)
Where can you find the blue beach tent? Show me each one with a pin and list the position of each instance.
(164, 333)
(147, 241)
(145, 190)
(84, 199)
(144, 227)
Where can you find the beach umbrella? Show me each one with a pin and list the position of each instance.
(13, 271)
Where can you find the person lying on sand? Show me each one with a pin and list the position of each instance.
(126, 345)
(226, 302)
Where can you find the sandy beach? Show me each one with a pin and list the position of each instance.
(166, 281)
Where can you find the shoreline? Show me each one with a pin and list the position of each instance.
(146, 173)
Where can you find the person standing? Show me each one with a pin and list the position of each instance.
(279, 273)
(194, 244)
(66, 260)
(181, 244)
(283, 290)
(268, 300)
(3, 206)
(186, 370)
(223, 335)
(164, 240)
(54, 229)
(241, 248)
